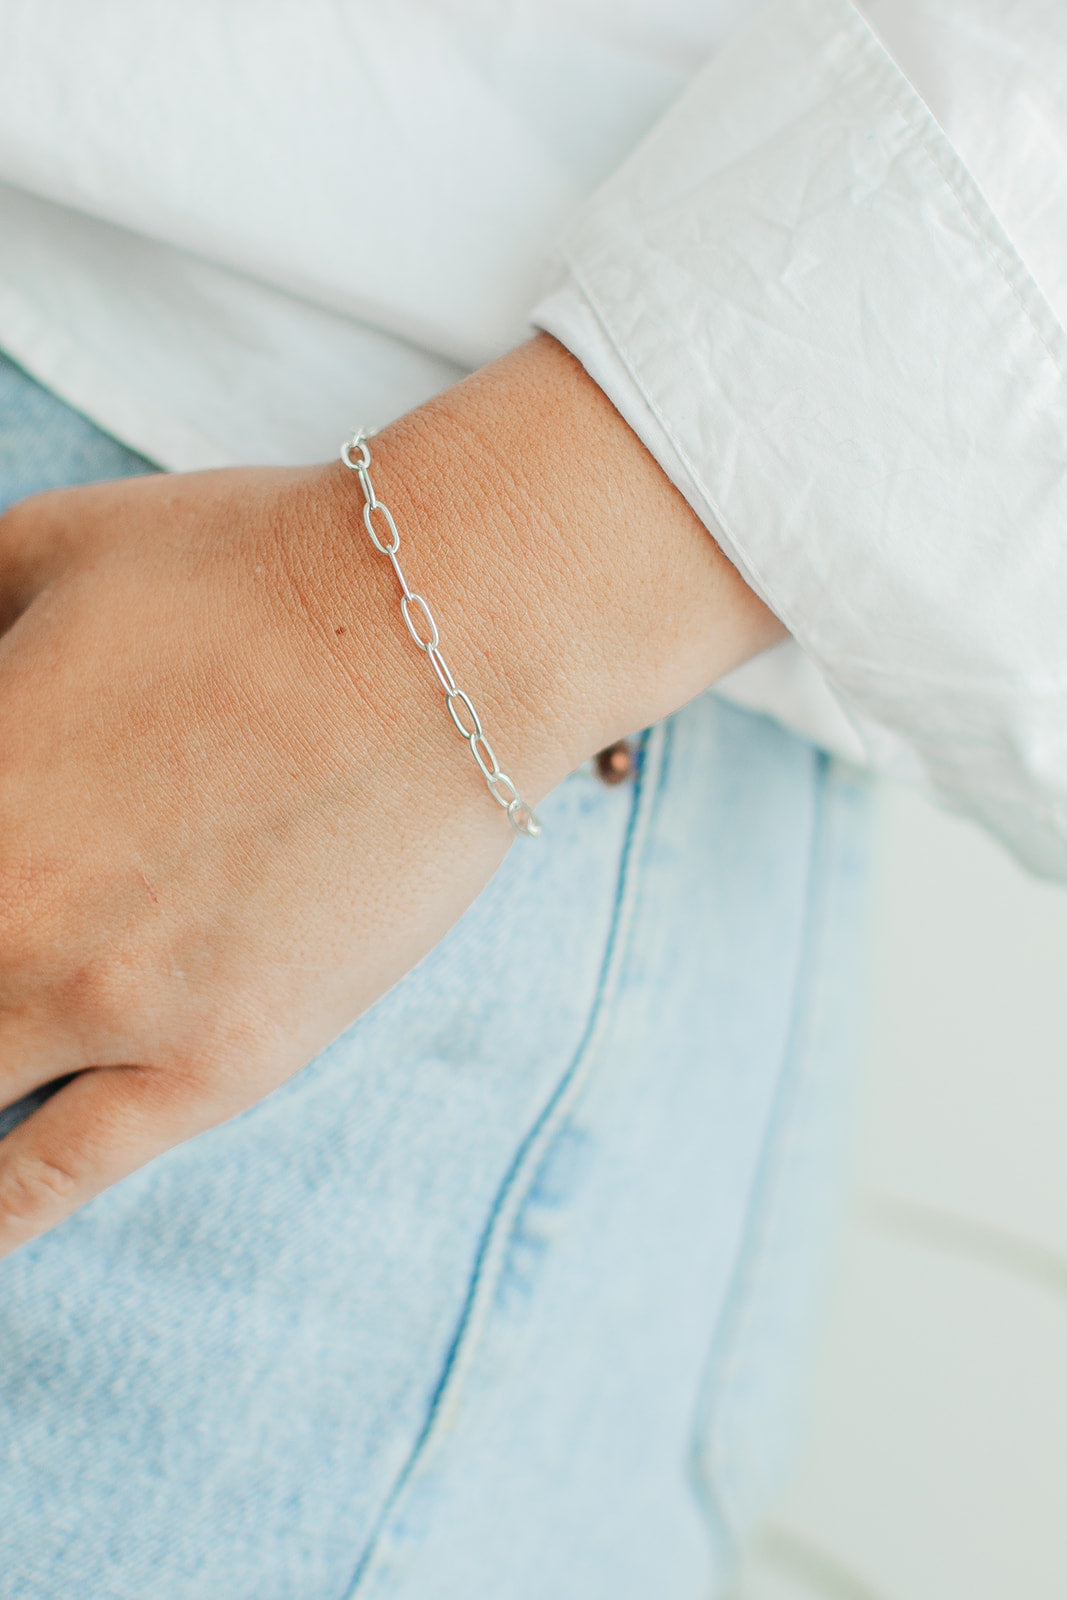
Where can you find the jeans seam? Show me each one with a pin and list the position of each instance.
(522, 1172)
(708, 1475)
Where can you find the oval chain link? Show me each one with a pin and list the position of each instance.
(521, 815)
(475, 729)
(385, 549)
(432, 640)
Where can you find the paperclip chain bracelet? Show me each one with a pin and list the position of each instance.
(413, 609)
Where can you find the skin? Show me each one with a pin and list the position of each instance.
(233, 810)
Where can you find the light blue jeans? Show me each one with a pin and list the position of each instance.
(502, 1297)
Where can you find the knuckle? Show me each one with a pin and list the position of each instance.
(28, 527)
(37, 532)
(19, 518)
(33, 1189)
(100, 994)
(34, 512)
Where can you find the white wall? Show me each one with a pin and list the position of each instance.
(936, 1464)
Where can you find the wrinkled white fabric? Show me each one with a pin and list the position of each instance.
(860, 387)
(230, 233)
(225, 231)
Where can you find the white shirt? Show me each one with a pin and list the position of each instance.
(831, 308)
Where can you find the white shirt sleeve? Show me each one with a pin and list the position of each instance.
(835, 322)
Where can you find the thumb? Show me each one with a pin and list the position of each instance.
(102, 1125)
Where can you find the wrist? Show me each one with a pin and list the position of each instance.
(592, 599)
(577, 594)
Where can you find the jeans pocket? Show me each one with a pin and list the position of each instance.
(558, 1456)
(250, 1334)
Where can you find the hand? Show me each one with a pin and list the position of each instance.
(232, 808)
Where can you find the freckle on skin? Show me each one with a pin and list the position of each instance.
(342, 629)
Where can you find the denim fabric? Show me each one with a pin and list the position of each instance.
(501, 1297)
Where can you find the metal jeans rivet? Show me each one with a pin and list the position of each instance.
(615, 763)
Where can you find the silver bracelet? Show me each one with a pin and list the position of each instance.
(520, 815)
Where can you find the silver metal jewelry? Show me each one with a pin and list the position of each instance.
(420, 623)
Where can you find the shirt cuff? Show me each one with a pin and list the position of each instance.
(796, 294)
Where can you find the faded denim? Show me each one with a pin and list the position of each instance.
(501, 1298)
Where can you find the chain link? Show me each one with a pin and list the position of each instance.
(415, 611)
(443, 671)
